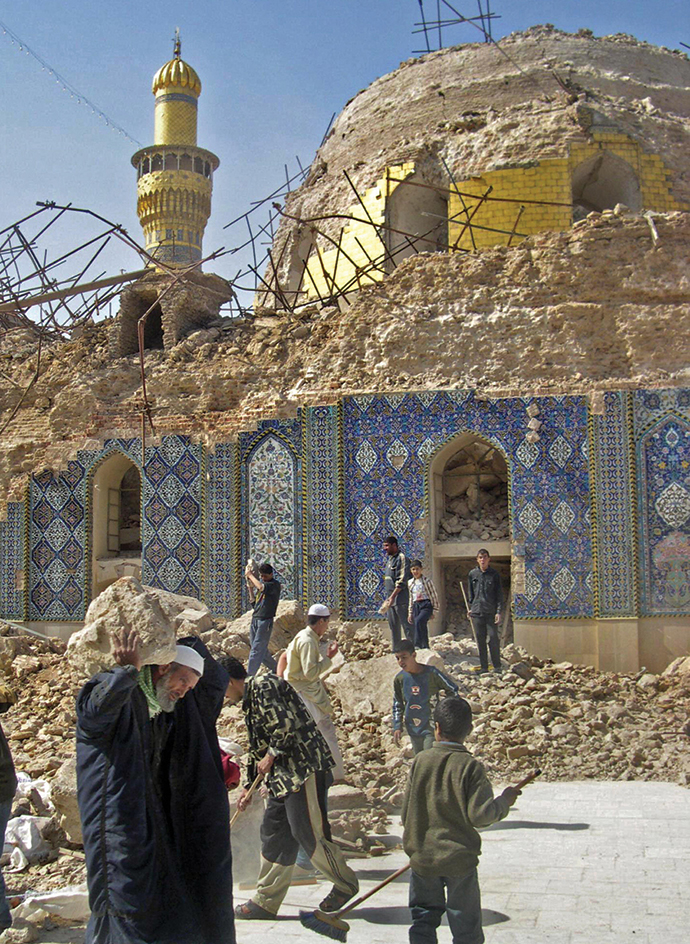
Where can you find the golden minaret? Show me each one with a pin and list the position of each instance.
(174, 176)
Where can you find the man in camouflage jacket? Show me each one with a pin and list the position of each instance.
(288, 750)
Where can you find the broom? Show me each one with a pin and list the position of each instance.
(253, 787)
(469, 617)
(333, 926)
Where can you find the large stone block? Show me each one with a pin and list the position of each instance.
(63, 793)
(366, 685)
(126, 604)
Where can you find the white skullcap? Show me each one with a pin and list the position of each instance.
(189, 657)
(318, 609)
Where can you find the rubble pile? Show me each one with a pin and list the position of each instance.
(40, 729)
(572, 721)
(480, 514)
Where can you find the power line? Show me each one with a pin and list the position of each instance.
(66, 86)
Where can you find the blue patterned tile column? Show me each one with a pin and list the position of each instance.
(272, 501)
(57, 541)
(172, 533)
(222, 539)
(662, 428)
(12, 562)
(615, 508)
(323, 546)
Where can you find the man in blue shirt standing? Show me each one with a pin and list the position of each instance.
(265, 605)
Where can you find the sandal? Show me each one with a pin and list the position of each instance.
(250, 911)
(335, 900)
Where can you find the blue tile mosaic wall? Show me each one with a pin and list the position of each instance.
(324, 577)
(388, 443)
(12, 563)
(57, 542)
(172, 532)
(662, 447)
(223, 563)
(316, 494)
(271, 502)
(615, 508)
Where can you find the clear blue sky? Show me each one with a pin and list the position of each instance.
(273, 72)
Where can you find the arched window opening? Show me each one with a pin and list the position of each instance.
(156, 162)
(417, 217)
(475, 495)
(186, 162)
(130, 511)
(198, 165)
(601, 182)
(153, 330)
(171, 162)
(116, 522)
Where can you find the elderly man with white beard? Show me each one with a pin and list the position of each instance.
(152, 800)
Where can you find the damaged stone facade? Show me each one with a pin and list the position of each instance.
(305, 434)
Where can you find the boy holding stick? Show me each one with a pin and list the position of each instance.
(448, 796)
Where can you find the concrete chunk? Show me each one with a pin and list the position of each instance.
(125, 604)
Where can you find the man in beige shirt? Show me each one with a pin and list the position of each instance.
(304, 670)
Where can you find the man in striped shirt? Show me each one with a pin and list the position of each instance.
(395, 580)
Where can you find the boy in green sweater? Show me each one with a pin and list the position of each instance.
(448, 795)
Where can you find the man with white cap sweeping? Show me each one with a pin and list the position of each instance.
(152, 801)
(305, 666)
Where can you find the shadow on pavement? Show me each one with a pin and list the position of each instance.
(527, 824)
(398, 915)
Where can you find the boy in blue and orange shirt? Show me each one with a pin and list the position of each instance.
(415, 692)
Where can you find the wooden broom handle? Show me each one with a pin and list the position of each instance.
(377, 888)
(257, 781)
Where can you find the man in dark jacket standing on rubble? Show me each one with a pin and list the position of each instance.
(152, 801)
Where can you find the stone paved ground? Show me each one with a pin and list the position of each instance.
(574, 863)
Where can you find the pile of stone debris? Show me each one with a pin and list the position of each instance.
(572, 721)
(481, 515)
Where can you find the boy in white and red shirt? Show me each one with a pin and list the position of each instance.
(423, 604)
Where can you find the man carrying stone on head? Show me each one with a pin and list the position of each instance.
(287, 749)
(304, 670)
(153, 805)
(486, 601)
(264, 593)
(395, 580)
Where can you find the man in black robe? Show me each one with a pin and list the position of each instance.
(152, 800)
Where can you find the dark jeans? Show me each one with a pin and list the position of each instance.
(5, 917)
(422, 611)
(397, 619)
(459, 898)
(484, 626)
(421, 742)
(259, 638)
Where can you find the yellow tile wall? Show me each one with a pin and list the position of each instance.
(542, 190)
(329, 267)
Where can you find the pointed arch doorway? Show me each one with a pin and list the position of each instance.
(468, 510)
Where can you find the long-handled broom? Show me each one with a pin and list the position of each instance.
(253, 787)
(333, 926)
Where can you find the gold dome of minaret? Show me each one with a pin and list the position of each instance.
(177, 72)
(175, 176)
